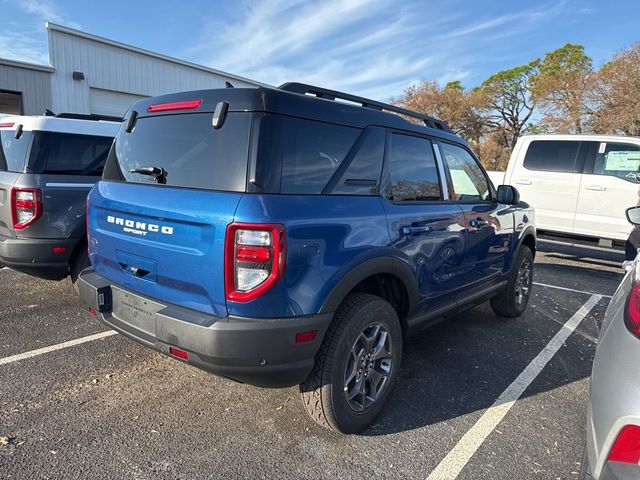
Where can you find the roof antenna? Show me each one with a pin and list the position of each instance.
(48, 113)
(228, 85)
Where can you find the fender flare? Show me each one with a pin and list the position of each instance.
(374, 266)
(528, 231)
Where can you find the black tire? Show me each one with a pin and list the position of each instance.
(324, 393)
(79, 263)
(507, 302)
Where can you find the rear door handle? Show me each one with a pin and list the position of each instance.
(415, 230)
(524, 182)
(596, 188)
(478, 223)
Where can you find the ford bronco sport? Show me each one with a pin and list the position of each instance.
(48, 164)
(296, 236)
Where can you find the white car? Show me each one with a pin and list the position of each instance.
(579, 184)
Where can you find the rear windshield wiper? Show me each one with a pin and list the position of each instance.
(159, 174)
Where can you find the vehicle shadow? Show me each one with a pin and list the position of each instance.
(463, 365)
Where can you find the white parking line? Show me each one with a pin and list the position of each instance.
(569, 289)
(451, 466)
(53, 348)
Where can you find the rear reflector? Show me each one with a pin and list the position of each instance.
(626, 448)
(182, 105)
(306, 337)
(6, 125)
(93, 311)
(58, 249)
(181, 354)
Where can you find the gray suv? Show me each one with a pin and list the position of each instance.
(48, 164)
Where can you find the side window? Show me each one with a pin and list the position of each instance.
(468, 181)
(311, 153)
(412, 170)
(362, 175)
(620, 160)
(552, 156)
(69, 154)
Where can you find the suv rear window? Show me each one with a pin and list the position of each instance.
(69, 153)
(13, 151)
(188, 148)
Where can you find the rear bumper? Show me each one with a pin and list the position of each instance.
(256, 351)
(34, 256)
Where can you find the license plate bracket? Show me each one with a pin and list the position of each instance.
(135, 311)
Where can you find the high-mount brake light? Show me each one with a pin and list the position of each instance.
(181, 105)
(626, 448)
(632, 310)
(6, 125)
(26, 207)
(255, 259)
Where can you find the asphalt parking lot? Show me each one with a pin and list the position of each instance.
(108, 408)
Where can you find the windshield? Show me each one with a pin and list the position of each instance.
(186, 148)
(13, 151)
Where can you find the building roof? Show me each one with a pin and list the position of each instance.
(28, 66)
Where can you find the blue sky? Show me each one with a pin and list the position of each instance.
(369, 47)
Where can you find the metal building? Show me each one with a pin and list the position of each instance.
(91, 74)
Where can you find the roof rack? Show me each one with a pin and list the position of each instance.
(327, 94)
(92, 116)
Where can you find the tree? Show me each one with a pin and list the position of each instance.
(562, 87)
(462, 110)
(616, 94)
(507, 95)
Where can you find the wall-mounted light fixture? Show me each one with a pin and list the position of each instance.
(78, 76)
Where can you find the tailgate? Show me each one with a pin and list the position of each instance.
(7, 180)
(166, 243)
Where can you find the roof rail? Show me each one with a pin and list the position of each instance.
(327, 94)
(92, 116)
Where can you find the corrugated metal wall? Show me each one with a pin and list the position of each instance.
(34, 84)
(110, 66)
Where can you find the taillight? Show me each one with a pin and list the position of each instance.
(181, 105)
(255, 257)
(632, 310)
(626, 448)
(26, 207)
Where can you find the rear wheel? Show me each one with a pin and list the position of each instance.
(357, 365)
(512, 300)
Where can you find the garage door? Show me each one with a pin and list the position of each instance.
(109, 102)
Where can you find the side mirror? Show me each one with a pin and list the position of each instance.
(509, 195)
(633, 215)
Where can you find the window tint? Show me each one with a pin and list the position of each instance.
(310, 151)
(620, 160)
(188, 148)
(552, 155)
(362, 175)
(13, 151)
(412, 170)
(69, 154)
(468, 181)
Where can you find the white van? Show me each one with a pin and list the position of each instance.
(578, 184)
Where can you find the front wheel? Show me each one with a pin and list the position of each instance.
(356, 366)
(512, 300)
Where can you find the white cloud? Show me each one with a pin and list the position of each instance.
(46, 10)
(24, 47)
(27, 42)
(369, 47)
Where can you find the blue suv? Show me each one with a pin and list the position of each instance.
(297, 235)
